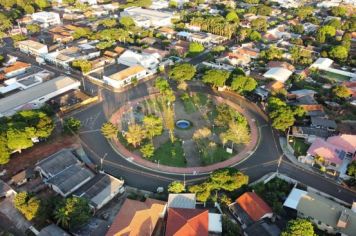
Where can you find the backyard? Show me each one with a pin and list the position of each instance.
(299, 146)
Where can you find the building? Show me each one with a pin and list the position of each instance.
(283, 64)
(131, 58)
(6, 190)
(22, 177)
(250, 208)
(15, 69)
(36, 96)
(137, 218)
(324, 65)
(326, 214)
(278, 73)
(100, 190)
(182, 222)
(32, 47)
(118, 75)
(159, 4)
(181, 200)
(52, 230)
(46, 19)
(148, 18)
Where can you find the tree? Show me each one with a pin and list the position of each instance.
(351, 169)
(4, 151)
(272, 53)
(104, 45)
(147, 150)
(127, 22)
(182, 72)
(71, 125)
(341, 91)
(242, 84)
(264, 10)
(176, 187)
(162, 85)
(255, 36)
(153, 126)
(108, 23)
(81, 32)
(83, 65)
(237, 133)
(300, 56)
(232, 17)
(109, 130)
(298, 29)
(304, 12)
(135, 135)
(195, 48)
(299, 227)
(259, 24)
(27, 204)
(230, 228)
(338, 11)
(29, 9)
(216, 77)
(225, 115)
(18, 140)
(72, 212)
(44, 126)
(282, 115)
(42, 4)
(33, 28)
(336, 23)
(201, 133)
(339, 53)
(173, 4)
(324, 32)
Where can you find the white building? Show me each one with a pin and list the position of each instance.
(159, 4)
(32, 47)
(46, 19)
(118, 75)
(130, 58)
(36, 96)
(148, 18)
(278, 73)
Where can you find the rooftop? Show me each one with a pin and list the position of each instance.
(31, 44)
(181, 200)
(184, 222)
(253, 205)
(278, 73)
(18, 65)
(345, 141)
(137, 218)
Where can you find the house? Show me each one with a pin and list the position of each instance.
(167, 32)
(283, 64)
(137, 218)
(250, 208)
(181, 200)
(310, 133)
(32, 47)
(325, 213)
(148, 18)
(100, 190)
(118, 75)
(46, 19)
(278, 73)
(22, 177)
(179, 47)
(323, 123)
(63, 172)
(159, 4)
(131, 58)
(15, 69)
(183, 222)
(313, 110)
(346, 141)
(279, 32)
(240, 56)
(6, 190)
(36, 96)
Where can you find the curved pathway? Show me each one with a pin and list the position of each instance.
(245, 153)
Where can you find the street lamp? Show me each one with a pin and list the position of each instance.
(102, 160)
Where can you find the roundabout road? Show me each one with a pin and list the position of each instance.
(267, 157)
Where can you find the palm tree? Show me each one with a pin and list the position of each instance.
(62, 217)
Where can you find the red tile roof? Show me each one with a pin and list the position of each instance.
(137, 218)
(253, 205)
(16, 66)
(187, 222)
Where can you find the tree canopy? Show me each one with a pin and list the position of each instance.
(195, 48)
(339, 53)
(109, 130)
(182, 72)
(27, 204)
(242, 84)
(217, 78)
(135, 134)
(299, 227)
(341, 91)
(153, 126)
(176, 187)
(83, 65)
(71, 125)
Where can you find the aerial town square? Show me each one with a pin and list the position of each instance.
(177, 117)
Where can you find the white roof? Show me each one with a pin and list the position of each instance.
(278, 73)
(322, 63)
(181, 200)
(293, 198)
(215, 224)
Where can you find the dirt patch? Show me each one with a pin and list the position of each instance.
(29, 157)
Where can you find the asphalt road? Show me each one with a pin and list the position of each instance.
(264, 160)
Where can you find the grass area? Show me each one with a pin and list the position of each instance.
(200, 99)
(218, 155)
(334, 77)
(300, 147)
(170, 154)
(188, 103)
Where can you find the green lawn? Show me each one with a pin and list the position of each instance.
(200, 99)
(218, 155)
(300, 147)
(170, 154)
(188, 104)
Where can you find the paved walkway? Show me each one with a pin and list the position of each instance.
(244, 154)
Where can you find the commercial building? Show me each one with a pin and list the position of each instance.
(32, 47)
(148, 18)
(118, 75)
(36, 96)
(46, 19)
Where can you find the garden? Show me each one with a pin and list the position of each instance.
(182, 128)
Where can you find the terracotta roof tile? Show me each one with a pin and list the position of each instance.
(187, 222)
(16, 66)
(253, 205)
